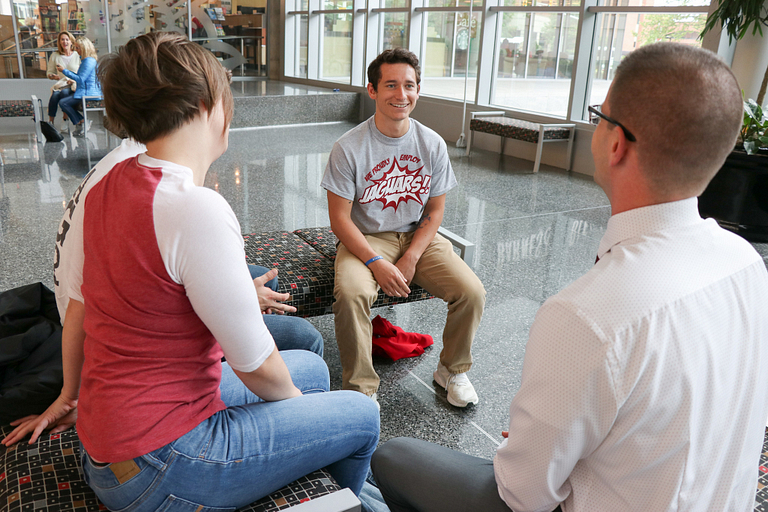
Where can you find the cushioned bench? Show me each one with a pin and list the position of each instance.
(498, 123)
(23, 108)
(304, 259)
(48, 476)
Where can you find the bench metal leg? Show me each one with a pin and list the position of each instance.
(539, 148)
(38, 117)
(569, 153)
(469, 144)
(85, 133)
(466, 248)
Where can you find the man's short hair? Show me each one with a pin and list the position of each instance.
(158, 82)
(684, 106)
(392, 56)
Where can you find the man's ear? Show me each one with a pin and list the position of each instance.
(619, 146)
(371, 91)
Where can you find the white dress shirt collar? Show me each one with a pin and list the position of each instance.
(648, 219)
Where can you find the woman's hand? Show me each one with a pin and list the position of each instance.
(269, 300)
(60, 416)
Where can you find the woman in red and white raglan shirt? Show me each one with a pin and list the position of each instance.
(165, 293)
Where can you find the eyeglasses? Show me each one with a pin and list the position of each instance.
(595, 115)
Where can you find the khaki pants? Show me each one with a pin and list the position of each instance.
(440, 271)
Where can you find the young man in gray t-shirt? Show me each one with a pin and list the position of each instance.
(386, 181)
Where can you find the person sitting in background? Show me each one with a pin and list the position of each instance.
(69, 59)
(645, 381)
(86, 80)
(159, 292)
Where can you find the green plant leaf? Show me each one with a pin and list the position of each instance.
(750, 147)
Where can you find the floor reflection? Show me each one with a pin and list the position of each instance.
(534, 233)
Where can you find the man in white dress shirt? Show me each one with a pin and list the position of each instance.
(645, 382)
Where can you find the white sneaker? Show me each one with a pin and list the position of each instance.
(375, 398)
(460, 391)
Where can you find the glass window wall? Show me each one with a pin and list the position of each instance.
(535, 61)
(619, 34)
(532, 50)
(336, 48)
(234, 30)
(393, 30)
(38, 24)
(449, 41)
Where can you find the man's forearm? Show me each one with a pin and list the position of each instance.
(427, 228)
(353, 239)
(339, 210)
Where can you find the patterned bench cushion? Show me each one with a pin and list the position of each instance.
(94, 104)
(305, 261)
(16, 108)
(47, 476)
(517, 129)
(304, 273)
(321, 239)
(324, 241)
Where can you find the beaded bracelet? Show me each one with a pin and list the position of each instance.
(375, 258)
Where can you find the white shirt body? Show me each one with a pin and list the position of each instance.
(68, 259)
(645, 382)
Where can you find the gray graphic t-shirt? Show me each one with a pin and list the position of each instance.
(389, 180)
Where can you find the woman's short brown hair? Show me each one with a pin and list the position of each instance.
(58, 40)
(158, 82)
(392, 56)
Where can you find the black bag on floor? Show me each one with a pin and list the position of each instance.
(31, 373)
(50, 133)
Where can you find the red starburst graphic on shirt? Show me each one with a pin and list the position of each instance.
(397, 185)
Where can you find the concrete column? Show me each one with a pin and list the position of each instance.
(750, 60)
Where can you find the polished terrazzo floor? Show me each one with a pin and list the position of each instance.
(534, 233)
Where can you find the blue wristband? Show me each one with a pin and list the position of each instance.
(375, 258)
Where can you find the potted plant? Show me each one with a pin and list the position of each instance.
(753, 136)
(737, 197)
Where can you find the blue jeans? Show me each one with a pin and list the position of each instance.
(56, 96)
(68, 105)
(289, 332)
(252, 448)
